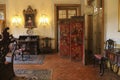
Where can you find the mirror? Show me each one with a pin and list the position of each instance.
(2, 16)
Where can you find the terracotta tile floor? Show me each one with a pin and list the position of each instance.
(65, 69)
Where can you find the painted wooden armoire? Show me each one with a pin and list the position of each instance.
(72, 38)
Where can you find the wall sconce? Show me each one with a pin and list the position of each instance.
(97, 10)
(44, 20)
(16, 20)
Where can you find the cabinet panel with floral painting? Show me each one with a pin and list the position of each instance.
(64, 26)
(77, 38)
(72, 38)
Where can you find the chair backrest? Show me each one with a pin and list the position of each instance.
(110, 44)
(47, 42)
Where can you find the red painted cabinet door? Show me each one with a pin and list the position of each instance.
(77, 38)
(64, 27)
(72, 38)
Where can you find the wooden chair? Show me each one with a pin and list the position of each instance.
(102, 59)
(109, 47)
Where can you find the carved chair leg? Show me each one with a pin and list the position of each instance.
(94, 61)
(102, 66)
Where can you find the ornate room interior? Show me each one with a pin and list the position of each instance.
(66, 40)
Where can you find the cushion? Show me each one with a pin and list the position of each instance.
(8, 58)
(98, 56)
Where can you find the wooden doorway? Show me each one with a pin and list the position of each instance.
(64, 11)
(95, 30)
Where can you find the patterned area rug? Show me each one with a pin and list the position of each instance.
(23, 74)
(29, 59)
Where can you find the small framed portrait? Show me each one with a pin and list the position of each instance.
(29, 17)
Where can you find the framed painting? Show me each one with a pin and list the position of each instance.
(29, 17)
(119, 15)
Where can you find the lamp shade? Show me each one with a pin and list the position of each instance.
(44, 19)
(16, 20)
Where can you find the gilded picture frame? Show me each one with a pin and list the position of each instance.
(29, 17)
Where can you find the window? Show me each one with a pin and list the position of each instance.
(71, 13)
(65, 12)
(62, 14)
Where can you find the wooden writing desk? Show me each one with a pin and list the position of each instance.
(113, 57)
(31, 43)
